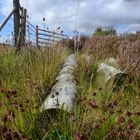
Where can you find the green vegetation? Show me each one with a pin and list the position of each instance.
(102, 113)
(25, 80)
(100, 31)
(105, 114)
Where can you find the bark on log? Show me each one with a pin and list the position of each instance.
(64, 92)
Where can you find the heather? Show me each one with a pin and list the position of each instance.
(129, 55)
(125, 49)
(103, 46)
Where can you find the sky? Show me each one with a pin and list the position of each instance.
(84, 15)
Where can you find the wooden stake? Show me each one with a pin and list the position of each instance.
(17, 24)
(37, 45)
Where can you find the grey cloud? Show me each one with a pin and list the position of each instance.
(91, 13)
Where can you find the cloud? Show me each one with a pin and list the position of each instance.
(90, 13)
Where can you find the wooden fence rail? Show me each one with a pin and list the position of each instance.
(6, 19)
(48, 37)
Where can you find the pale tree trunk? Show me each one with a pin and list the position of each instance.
(63, 93)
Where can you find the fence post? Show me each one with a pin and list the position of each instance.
(37, 45)
(23, 26)
(17, 24)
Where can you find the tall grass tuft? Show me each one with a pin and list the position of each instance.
(25, 80)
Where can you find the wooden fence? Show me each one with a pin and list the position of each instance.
(26, 33)
(48, 37)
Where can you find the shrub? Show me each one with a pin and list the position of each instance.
(100, 31)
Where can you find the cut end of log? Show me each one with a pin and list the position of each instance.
(110, 72)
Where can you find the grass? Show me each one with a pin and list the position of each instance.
(106, 113)
(25, 80)
(101, 114)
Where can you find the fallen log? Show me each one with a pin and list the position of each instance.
(64, 92)
(110, 73)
